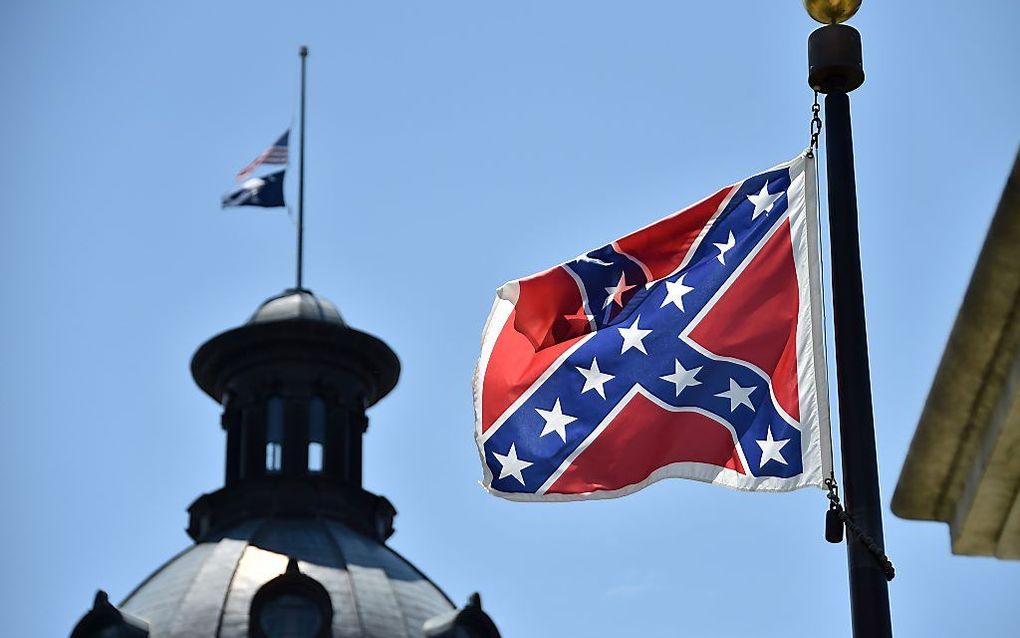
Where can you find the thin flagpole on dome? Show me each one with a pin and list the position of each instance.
(301, 174)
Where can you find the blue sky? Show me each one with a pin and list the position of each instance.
(454, 146)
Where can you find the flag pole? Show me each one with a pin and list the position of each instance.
(301, 175)
(836, 69)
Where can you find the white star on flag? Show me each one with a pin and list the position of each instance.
(511, 465)
(632, 337)
(738, 395)
(555, 420)
(770, 449)
(764, 200)
(595, 379)
(723, 248)
(675, 291)
(682, 378)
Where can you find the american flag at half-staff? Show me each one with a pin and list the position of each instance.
(275, 154)
(692, 348)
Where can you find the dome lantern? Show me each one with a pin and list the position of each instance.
(294, 383)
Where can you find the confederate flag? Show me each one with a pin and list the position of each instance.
(692, 348)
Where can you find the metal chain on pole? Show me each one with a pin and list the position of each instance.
(836, 509)
(837, 518)
(816, 126)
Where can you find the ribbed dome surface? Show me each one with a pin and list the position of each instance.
(293, 304)
(207, 590)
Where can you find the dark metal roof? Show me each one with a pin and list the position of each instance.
(297, 303)
(207, 590)
(296, 328)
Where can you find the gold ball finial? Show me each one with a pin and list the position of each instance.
(832, 11)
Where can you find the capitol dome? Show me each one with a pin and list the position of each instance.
(209, 589)
(292, 545)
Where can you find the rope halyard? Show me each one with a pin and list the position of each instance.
(837, 517)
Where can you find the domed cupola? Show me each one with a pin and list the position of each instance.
(292, 545)
(294, 383)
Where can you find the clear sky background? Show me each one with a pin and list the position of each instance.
(454, 146)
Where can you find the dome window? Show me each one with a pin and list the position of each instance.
(274, 435)
(291, 606)
(290, 615)
(316, 434)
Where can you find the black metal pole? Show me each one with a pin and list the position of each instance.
(869, 591)
(301, 175)
(834, 53)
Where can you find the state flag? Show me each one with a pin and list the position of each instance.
(265, 191)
